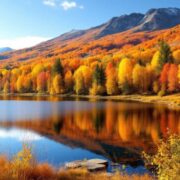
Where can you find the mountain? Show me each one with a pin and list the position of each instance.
(120, 24)
(118, 33)
(154, 19)
(5, 49)
(157, 19)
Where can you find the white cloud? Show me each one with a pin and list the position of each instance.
(51, 3)
(22, 42)
(66, 5)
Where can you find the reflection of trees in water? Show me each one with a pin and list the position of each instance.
(126, 122)
(98, 119)
(113, 130)
(115, 122)
(57, 126)
(122, 155)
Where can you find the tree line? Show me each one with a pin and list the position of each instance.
(125, 76)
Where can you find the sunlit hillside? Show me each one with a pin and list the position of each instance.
(137, 45)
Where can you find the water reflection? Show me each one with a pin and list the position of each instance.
(19, 135)
(44, 149)
(117, 130)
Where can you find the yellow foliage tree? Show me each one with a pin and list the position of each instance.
(155, 63)
(37, 69)
(141, 79)
(6, 87)
(176, 56)
(68, 80)
(83, 79)
(125, 74)
(58, 84)
(19, 84)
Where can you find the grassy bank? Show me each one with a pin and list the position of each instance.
(24, 167)
(47, 172)
(172, 101)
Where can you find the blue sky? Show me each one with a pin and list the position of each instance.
(27, 22)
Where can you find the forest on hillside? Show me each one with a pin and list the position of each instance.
(106, 76)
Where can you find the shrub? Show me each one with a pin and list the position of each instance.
(167, 159)
(161, 93)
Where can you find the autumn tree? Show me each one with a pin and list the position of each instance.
(57, 68)
(38, 68)
(111, 79)
(176, 56)
(68, 80)
(6, 87)
(162, 56)
(58, 87)
(79, 85)
(164, 76)
(19, 84)
(173, 78)
(125, 75)
(82, 80)
(99, 75)
(98, 85)
(42, 82)
(27, 83)
(139, 78)
(155, 62)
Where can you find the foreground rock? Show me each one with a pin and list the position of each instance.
(90, 165)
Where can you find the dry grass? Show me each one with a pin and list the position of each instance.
(47, 172)
(44, 171)
(83, 174)
(172, 101)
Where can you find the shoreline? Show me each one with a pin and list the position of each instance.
(171, 101)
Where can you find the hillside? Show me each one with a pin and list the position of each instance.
(82, 62)
(134, 30)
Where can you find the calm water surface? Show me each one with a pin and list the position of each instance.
(61, 130)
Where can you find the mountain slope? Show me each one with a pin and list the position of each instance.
(154, 19)
(127, 30)
(157, 19)
(120, 24)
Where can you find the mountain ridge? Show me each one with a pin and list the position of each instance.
(108, 37)
(141, 22)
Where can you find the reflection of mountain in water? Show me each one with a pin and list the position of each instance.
(116, 130)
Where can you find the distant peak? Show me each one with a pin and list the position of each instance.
(5, 49)
(74, 30)
(166, 10)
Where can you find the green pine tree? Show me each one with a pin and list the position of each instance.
(99, 76)
(165, 53)
(57, 68)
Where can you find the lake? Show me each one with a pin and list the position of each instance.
(66, 129)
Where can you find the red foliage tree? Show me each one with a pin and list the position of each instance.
(164, 76)
(173, 78)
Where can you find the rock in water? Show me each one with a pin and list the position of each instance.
(96, 167)
(90, 165)
(97, 161)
